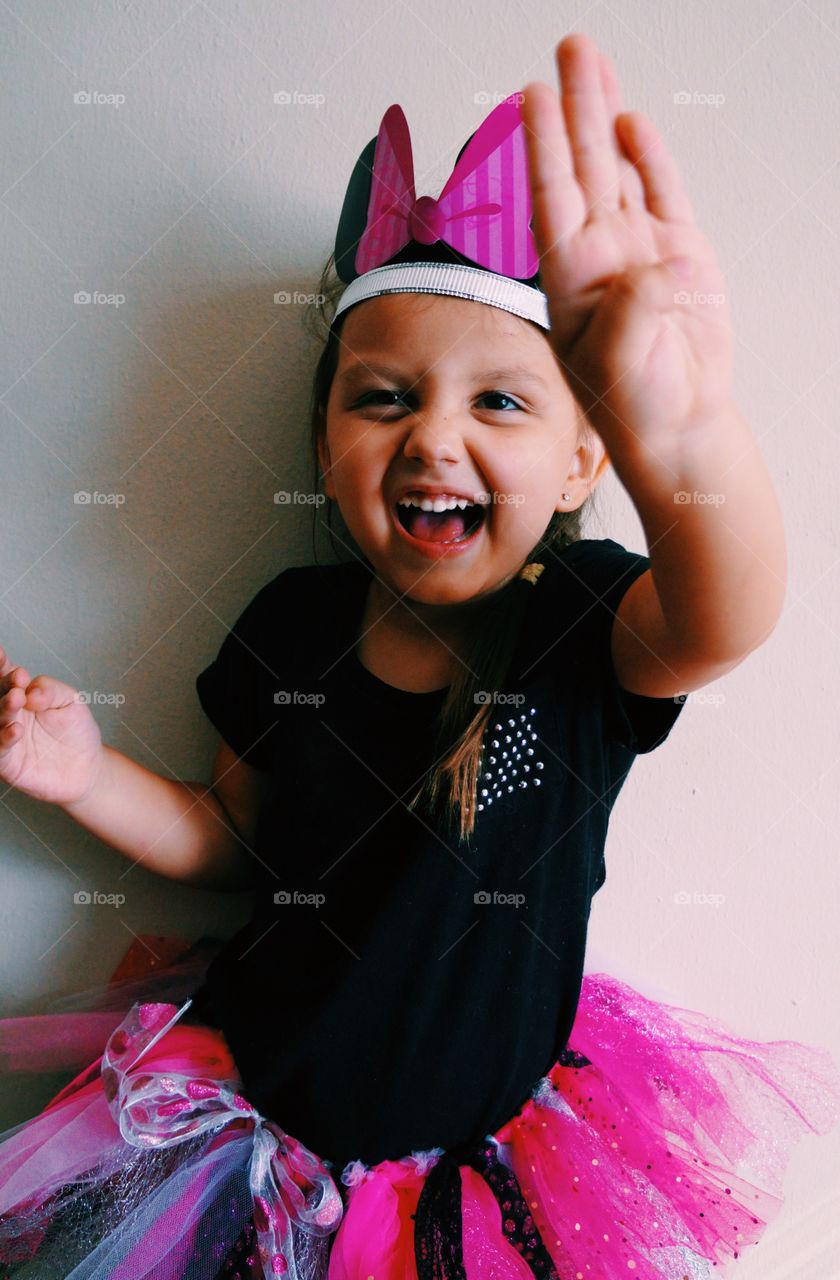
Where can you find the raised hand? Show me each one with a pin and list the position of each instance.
(50, 744)
(647, 353)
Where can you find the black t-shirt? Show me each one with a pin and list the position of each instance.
(396, 990)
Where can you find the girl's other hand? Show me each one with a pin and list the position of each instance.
(50, 744)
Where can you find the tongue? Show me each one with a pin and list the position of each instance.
(436, 526)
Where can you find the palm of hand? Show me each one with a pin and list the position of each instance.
(608, 203)
(56, 756)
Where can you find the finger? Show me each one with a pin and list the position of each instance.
(558, 208)
(10, 704)
(45, 692)
(631, 189)
(9, 734)
(664, 194)
(14, 696)
(6, 663)
(10, 710)
(594, 150)
(14, 677)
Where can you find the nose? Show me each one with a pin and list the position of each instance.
(432, 438)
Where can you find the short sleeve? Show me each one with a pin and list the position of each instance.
(602, 571)
(236, 690)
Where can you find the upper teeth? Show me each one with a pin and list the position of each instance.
(439, 503)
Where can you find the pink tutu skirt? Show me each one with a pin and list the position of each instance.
(655, 1148)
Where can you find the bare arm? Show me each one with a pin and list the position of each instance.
(718, 573)
(641, 326)
(51, 749)
(187, 831)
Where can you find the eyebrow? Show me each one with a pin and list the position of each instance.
(360, 368)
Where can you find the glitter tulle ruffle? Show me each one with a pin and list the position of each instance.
(654, 1148)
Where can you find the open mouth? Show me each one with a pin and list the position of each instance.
(458, 521)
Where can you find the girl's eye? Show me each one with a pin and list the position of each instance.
(371, 397)
(374, 396)
(501, 395)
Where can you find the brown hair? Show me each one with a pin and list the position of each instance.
(449, 789)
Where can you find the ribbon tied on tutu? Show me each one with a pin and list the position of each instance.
(289, 1184)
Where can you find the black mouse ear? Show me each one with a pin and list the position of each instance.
(354, 211)
(464, 147)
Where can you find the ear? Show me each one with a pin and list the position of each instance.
(603, 463)
(588, 466)
(324, 462)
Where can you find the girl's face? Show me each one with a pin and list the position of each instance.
(443, 393)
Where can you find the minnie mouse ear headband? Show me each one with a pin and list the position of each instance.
(474, 241)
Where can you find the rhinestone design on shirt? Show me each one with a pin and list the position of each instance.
(509, 760)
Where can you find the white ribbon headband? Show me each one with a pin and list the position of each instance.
(453, 279)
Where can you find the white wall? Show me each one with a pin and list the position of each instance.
(197, 198)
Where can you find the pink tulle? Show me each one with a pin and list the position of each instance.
(76, 1132)
(171, 1244)
(486, 1251)
(662, 1157)
(74, 1030)
(376, 1233)
(54, 1042)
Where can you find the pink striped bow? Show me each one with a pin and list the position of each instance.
(288, 1183)
(483, 212)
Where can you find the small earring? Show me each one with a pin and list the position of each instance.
(567, 497)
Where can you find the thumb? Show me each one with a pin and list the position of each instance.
(45, 693)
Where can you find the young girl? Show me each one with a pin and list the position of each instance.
(398, 1069)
